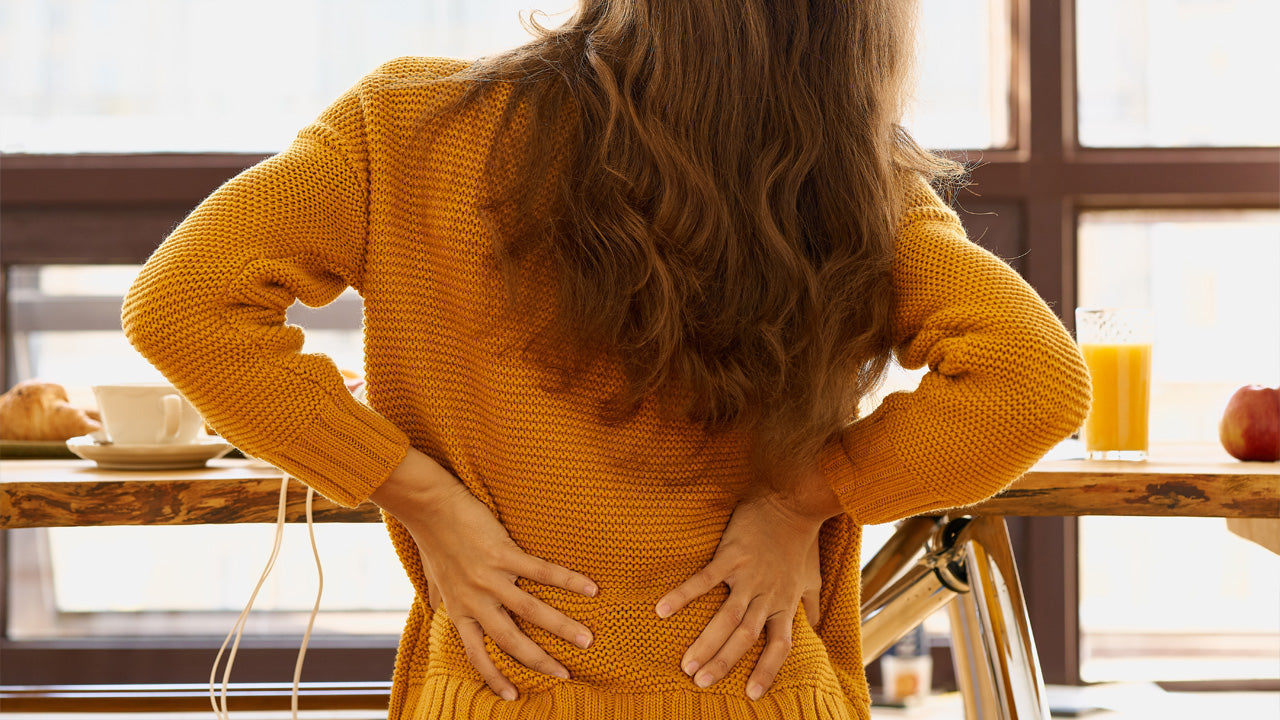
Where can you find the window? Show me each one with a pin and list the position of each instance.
(230, 76)
(1177, 74)
(962, 99)
(1205, 258)
(193, 581)
(1212, 281)
(1175, 599)
(137, 581)
(131, 76)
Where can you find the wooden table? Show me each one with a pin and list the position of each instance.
(1195, 482)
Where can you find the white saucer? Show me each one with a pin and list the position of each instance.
(149, 457)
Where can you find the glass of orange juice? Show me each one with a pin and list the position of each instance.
(1116, 343)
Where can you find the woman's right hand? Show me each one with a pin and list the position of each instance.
(768, 557)
(473, 562)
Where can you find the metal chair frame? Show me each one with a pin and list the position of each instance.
(966, 565)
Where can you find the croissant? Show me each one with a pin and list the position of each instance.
(35, 410)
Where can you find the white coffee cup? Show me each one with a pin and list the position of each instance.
(147, 414)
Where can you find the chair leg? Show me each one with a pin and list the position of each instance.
(993, 632)
(997, 669)
(974, 680)
(899, 552)
(924, 588)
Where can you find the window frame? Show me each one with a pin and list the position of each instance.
(1036, 189)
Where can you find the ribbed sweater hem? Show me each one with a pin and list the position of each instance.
(445, 696)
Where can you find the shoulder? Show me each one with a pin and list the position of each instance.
(933, 248)
(923, 206)
(391, 103)
(414, 79)
(413, 71)
(404, 92)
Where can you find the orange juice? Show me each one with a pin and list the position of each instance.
(1121, 375)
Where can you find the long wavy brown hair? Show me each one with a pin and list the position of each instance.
(725, 179)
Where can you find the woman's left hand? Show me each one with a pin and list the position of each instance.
(768, 556)
(473, 565)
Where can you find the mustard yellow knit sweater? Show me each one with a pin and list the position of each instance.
(361, 199)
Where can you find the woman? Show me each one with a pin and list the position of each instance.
(623, 288)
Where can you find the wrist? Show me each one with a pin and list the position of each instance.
(416, 485)
(809, 499)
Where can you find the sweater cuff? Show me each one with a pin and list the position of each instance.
(873, 483)
(348, 452)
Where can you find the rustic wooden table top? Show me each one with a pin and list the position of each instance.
(1193, 482)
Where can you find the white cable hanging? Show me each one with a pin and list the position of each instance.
(219, 699)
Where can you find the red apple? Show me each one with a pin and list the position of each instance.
(1250, 427)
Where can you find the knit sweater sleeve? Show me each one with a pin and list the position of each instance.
(208, 309)
(1005, 381)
